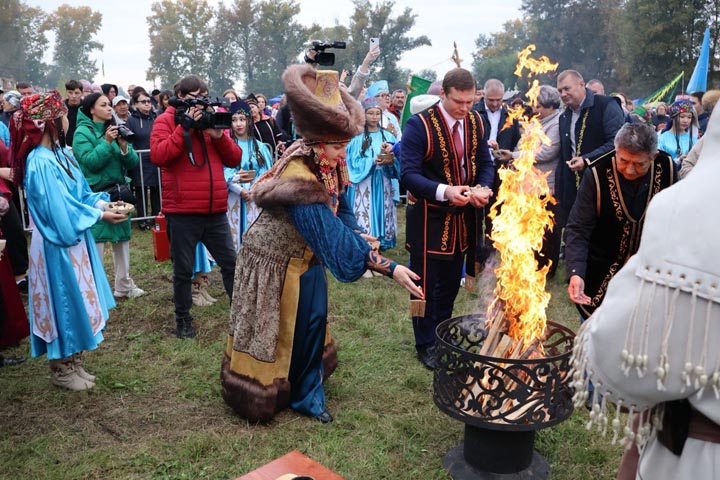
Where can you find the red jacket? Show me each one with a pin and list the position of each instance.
(187, 188)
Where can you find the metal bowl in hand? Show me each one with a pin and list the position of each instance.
(385, 159)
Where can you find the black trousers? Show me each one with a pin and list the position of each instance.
(442, 282)
(17, 247)
(184, 233)
(153, 202)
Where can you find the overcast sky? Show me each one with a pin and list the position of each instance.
(124, 30)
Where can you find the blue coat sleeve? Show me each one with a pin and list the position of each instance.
(613, 120)
(339, 248)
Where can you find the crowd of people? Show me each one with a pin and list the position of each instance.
(312, 183)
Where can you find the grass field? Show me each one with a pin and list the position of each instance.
(157, 412)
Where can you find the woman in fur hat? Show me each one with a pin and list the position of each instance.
(372, 165)
(69, 295)
(278, 348)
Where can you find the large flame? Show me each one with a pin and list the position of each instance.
(519, 226)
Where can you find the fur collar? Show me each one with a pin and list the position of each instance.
(291, 190)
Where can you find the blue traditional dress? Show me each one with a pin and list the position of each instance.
(372, 193)
(69, 294)
(676, 145)
(241, 213)
(203, 263)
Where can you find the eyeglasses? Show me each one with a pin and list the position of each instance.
(143, 101)
(383, 95)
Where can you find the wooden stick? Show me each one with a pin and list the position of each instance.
(417, 308)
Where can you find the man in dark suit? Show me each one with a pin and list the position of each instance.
(587, 131)
(444, 154)
(494, 116)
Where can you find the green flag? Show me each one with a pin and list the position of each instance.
(417, 86)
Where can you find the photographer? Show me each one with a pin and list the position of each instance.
(194, 193)
(105, 157)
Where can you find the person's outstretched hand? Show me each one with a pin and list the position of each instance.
(407, 278)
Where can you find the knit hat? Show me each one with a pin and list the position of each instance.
(251, 99)
(681, 106)
(240, 107)
(322, 112)
(13, 97)
(375, 89)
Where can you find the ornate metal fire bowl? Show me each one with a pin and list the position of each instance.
(502, 401)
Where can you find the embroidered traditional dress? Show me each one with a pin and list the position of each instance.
(278, 348)
(654, 338)
(69, 295)
(242, 213)
(372, 194)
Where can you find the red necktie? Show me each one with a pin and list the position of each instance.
(459, 147)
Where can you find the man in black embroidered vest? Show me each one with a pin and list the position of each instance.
(587, 130)
(443, 155)
(606, 221)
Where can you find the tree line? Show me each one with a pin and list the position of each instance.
(634, 46)
(248, 40)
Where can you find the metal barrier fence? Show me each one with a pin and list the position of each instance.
(143, 200)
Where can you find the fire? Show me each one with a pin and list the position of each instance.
(519, 218)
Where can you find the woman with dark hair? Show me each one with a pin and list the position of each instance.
(265, 129)
(141, 122)
(372, 166)
(164, 100)
(69, 294)
(680, 137)
(278, 348)
(110, 91)
(263, 107)
(104, 158)
(256, 160)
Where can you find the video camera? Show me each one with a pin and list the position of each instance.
(322, 57)
(209, 119)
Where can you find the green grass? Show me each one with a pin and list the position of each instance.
(157, 412)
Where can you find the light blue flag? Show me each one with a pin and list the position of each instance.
(698, 81)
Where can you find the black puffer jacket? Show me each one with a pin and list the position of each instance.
(141, 125)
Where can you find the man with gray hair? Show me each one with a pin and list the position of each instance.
(494, 116)
(606, 220)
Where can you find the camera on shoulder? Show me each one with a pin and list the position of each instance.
(209, 118)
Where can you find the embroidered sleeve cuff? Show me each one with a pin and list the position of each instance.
(378, 263)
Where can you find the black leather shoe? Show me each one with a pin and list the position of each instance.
(427, 357)
(324, 417)
(184, 328)
(11, 361)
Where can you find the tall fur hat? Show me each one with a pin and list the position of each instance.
(322, 112)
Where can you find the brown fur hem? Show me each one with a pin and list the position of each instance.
(251, 400)
(329, 360)
(289, 191)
